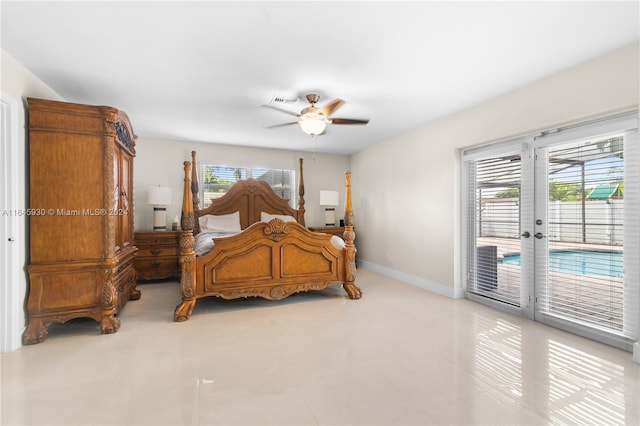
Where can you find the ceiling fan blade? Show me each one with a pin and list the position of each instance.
(282, 110)
(331, 107)
(282, 125)
(347, 121)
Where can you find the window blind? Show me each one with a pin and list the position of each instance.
(494, 222)
(590, 277)
(280, 180)
(631, 307)
(217, 180)
(585, 231)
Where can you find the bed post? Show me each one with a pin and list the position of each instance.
(349, 237)
(195, 192)
(301, 197)
(187, 256)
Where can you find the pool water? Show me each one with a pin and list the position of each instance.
(579, 262)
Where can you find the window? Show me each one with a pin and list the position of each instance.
(216, 181)
(281, 181)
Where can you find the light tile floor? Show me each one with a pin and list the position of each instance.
(398, 356)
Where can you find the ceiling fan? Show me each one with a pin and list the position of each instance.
(313, 120)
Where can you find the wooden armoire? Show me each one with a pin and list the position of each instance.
(80, 215)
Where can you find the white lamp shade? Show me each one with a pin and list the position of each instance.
(312, 126)
(329, 198)
(159, 196)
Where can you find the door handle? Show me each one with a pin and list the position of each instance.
(526, 234)
(539, 235)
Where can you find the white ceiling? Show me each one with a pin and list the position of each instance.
(200, 71)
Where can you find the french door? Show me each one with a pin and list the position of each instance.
(551, 228)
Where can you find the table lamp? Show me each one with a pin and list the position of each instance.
(158, 197)
(329, 198)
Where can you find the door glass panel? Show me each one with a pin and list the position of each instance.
(496, 223)
(585, 227)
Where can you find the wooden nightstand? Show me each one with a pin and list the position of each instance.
(157, 254)
(335, 230)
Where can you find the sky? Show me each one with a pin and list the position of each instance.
(603, 170)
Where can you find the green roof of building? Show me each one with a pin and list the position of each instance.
(604, 191)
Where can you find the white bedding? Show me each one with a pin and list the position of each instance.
(204, 241)
(337, 242)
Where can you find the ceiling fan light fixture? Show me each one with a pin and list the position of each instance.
(313, 124)
(313, 120)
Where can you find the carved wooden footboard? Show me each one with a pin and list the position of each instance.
(267, 259)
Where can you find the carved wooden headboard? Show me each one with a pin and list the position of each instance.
(250, 197)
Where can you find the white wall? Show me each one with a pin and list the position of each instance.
(409, 226)
(160, 162)
(19, 83)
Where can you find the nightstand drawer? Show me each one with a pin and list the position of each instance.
(155, 240)
(157, 251)
(160, 262)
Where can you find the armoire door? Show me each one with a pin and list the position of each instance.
(117, 228)
(125, 213)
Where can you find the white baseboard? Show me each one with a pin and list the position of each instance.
(636, 352)
(441, 289)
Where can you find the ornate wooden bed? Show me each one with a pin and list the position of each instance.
(271, 259)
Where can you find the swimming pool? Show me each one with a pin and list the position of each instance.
(579, 262)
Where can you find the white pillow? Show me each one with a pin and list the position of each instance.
(266, 217)
(202, 221)
(223, 222)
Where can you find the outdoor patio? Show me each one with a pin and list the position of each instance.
(579, 297)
